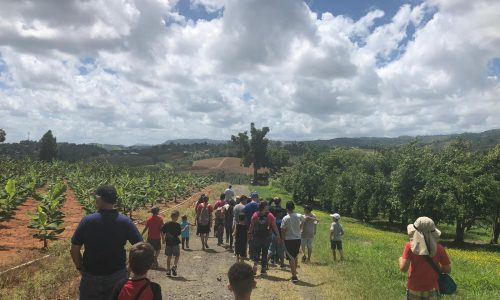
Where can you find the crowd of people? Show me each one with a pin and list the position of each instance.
(262, 231)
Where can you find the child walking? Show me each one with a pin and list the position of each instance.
(153, 227)
(277, 250)
(138, 286)
(336, 233)
(219, 225)
(185, 232)
(240, 233)
(171, 231)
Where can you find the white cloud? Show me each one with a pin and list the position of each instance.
(138, 72)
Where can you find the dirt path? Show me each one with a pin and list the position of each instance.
(203, 274)
(220, 164)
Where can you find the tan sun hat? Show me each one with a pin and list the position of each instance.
(423, 236)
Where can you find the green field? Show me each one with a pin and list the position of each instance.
(371, 269)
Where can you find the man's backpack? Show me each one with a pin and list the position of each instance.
(204, 218)
(261, 226)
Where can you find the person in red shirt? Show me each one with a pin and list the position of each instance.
(153, 226)
(204, 221)
(422, 279)
(219, 203)
(138, 286)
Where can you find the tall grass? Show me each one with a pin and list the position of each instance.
(371, 270)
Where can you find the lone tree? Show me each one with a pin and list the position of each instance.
(2, 135)
(253, 150)
(48, 147)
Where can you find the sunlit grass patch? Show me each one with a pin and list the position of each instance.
(371, 270)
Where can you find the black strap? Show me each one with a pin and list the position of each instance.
(142, 289)
(432, 264)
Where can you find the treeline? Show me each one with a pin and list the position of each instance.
(455, 184)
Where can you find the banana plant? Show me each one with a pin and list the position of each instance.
(7, 199)
(47, 230)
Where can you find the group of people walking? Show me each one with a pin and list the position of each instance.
(267, 230)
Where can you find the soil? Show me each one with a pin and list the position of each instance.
(17, 244)
(224, 164)
(16, 240)
(73, 213)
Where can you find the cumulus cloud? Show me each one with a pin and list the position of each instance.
(136, 71)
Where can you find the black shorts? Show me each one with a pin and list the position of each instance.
(156, 244)
(292, 248)
(336, 244)
(203, 229)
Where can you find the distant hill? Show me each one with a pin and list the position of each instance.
(195, 141)
(480, 141)
(110, 147)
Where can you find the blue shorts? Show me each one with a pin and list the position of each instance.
(336, 244)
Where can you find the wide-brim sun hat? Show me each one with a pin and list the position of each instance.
(424, 236)
(335, 216)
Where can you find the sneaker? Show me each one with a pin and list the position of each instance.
(263, 271)
(295, 279)
(304, 258)
(168, 273)
(206, 246)
(174, 271)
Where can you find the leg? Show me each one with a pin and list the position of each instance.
(176, 260)
(309, 249)
(334, 255)
(183, 242)
(293, 265)
(264, 249)
(202, 238)
(206, 240)
(187, 243)
(169, 259)
(303, 247)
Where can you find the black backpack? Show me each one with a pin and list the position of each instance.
(261, 226)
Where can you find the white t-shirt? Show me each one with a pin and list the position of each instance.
(291, 223)
(228, 194)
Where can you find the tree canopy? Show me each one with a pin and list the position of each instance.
(253, 150)
(48, 147)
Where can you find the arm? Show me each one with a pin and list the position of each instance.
(250, 229)
(276, 231)
(446, 268)
(145, 228)
(76, 256)
(404, 264)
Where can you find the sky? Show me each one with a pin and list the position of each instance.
(145, 71)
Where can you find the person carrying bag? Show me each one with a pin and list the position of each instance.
(423, 248)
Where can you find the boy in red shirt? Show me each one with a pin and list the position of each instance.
(138, 286)
(153, 226)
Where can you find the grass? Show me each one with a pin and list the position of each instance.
(52, 278)
(371, 271)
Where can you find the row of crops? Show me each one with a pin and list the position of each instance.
(136, 187)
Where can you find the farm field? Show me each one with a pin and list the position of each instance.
(223, 164)
(370, 270)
